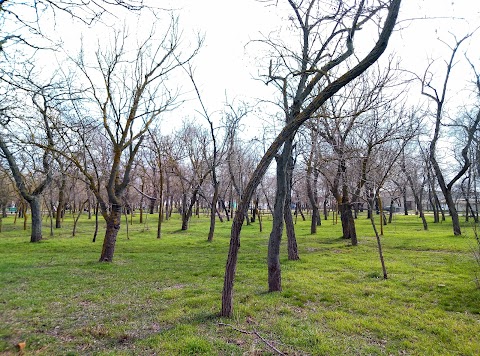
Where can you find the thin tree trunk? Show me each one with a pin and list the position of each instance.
(126, 223)
(213, 211)
(224, 207)
(299, 205)
(96, 222)
(418, 202)
(51, 208)
(405, 208)
(390, 213)
(61, 202)
(379, 245)
(75, 222)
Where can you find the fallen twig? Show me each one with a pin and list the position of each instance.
(254, 332)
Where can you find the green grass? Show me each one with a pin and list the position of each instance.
(163, 296)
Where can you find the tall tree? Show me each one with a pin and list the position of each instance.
(314, 77)
(296, 74)
(128, 90)
(438, 97)
(31, 124)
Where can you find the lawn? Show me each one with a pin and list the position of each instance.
(163, 296)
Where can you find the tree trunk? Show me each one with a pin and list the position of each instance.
(213, 211)
(36, 209)
(325, 209)
(390, 213)
(185, 212)
(287, 213)
(405, 208)
(348, 222)
(453, 212)
(113, 226)
(61, 203)
(224, 207)
(379, 245)
(97, 206)
(75, 221)
(273, 259)
(311, 197)
(291, 239)
(299, 206)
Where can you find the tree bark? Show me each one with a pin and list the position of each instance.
(113, 226)
(273, 258)
(348, 222)
(311, 197)
(290, 228)
(36, 209)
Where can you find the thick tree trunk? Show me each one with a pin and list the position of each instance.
(453, 212)
(348, 222)
(291, 238)
(185, 212)
(36, 210)
(273, 259)
(312, 198)
(113, 226)
(287, 213)
(313, 224)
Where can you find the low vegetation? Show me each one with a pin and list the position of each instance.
(163, 296)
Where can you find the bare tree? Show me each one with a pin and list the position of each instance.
(192, 166)
(30, 125)
(439, 97)
(215, 157)
(314, 76)
(131, 94)
(416, 178)
(22, 22)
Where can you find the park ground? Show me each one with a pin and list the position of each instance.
(163, 296)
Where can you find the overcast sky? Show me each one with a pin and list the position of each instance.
(227, 66)
(224, 63)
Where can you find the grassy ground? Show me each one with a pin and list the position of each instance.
(163, 296)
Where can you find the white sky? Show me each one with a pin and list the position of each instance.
(225, 67)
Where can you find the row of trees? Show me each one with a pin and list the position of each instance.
(87, 136)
